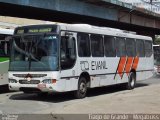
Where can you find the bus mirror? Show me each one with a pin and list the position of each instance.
(6, 48)
(68, 34)
(63, 55)
(8, 38)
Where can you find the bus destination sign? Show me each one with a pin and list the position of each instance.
(37, 29)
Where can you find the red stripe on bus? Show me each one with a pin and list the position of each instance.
(121, 66)
(135, 63)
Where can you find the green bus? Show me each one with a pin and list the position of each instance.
(5, 35)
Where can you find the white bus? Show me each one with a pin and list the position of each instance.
(66, 57)
(156, 49)
(4, 54)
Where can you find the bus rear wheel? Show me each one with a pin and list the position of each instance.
(82, 88)
(131, 81)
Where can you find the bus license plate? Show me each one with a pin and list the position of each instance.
(41, 86)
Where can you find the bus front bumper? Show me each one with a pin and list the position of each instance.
(41, 87)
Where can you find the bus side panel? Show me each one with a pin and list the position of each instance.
(149, 67)
(4, 72)
(60, 85)
(121, 76)
(122, 79)
(3, 78)
(110, 71)
(97, 70)
(71, 84)
(84, 66)
(140, 73)
(144, 68)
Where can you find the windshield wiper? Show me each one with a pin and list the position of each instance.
(24, 52)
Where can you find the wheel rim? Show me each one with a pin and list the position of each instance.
(132, 81)
(82, 88)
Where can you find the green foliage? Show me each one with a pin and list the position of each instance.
(157, 40)
(3, 59)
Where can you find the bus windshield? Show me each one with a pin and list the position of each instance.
(34, 53)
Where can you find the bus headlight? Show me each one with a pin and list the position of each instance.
(155, 67)
(49, 81)
(12, 81)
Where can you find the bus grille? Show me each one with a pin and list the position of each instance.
(29, 82)
(33, 75)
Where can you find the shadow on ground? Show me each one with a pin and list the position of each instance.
(4, 89)
(67, 96)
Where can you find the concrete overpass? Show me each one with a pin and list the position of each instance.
(109, 13)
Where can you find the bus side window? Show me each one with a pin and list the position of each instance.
(83, 45)
(140, 48)
(68, 52)
(97, 45)
(148, 48)
(109, 46)
(120, 47)
(130, 47)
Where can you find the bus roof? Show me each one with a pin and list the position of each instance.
(93, 29)
(102, 30)
(6, 31)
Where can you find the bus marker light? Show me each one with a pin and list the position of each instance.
(29, 79)
(54, 81)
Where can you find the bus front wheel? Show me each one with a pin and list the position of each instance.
(131, 81)
(82, 88)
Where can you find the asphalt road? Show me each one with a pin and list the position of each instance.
(20, 103)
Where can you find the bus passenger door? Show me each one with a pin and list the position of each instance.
(68, 61)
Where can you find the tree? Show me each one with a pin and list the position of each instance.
(157, 40)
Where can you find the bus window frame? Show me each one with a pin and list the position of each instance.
(102, 36)
(114, 39)
(124, 38)
(89, 44)
(143, 47)
(128, 39)
(151, 43)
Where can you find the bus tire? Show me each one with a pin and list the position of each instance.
(131, 81)
(82, 88)
(27, 92)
